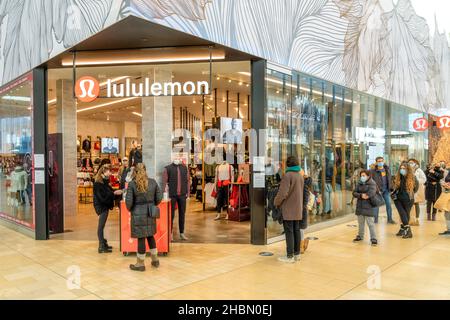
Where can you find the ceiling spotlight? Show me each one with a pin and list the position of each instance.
(218, 78)
(248, 85)
(240, 83)
(229, 81)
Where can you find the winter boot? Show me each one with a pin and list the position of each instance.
(107, 245)
(155, 259)
(401, 232)
(408, 233)
(140, 264)
(102, 248)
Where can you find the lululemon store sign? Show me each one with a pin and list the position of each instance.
(87, 89)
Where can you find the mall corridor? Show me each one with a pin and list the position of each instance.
(332, 268)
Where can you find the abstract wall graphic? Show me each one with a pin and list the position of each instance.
(357, 43)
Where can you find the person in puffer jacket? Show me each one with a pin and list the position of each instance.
(364, 191)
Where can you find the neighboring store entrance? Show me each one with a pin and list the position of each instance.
(109, 125)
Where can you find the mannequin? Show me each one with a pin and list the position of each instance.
(135, 154)
(224, 178)
(176, 181)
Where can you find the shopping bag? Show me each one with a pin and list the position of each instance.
(214, 193)
(443, 203)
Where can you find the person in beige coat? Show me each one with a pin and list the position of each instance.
(290, 199)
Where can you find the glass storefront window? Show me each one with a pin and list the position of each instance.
(279, 125)
(16, 152)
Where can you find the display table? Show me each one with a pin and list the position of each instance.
(86, 194)
(162, 237)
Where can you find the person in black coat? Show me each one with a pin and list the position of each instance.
(142, 193)
(103, 202)
(365, 190)
(433, 189)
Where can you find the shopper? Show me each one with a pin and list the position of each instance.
(290, 199)
(381, 174)
(419, 197)
(433, 189)
(443, 203)
(143, 193)
(103, 203)
(405, 186)
(364, 191)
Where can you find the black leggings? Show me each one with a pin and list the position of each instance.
(430, 206)
(141, 244)
(404, 210)
(222, 198)
(102, 218)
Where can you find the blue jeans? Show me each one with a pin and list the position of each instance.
(387, 199)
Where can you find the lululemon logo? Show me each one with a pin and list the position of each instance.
(420, 124)
(87, 89)
(443, 122)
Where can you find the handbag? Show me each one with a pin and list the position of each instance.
(443, 203)
(394, 195)
(153, 211)
(214, 193)
(378, 200)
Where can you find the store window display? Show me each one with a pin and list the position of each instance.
(16, 153)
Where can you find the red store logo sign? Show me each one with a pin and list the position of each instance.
(443, 122)
(420, 124)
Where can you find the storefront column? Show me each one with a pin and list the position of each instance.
(129, 130)
(40, 148)
(157, 117)
(258, 107)
(66, 125)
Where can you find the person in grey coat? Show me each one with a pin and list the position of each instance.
(143, 192)
(365, 189)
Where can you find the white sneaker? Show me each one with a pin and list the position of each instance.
(218, 216)
(285, 259)
(183, 237)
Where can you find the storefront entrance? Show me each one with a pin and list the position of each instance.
(188, 123)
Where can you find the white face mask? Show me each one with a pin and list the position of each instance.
(176, 162)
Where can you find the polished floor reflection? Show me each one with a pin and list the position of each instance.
(333, 268)
(200, 226)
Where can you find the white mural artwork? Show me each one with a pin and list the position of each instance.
(382, 47)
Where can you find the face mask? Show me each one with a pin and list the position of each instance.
(412, 165)
(380, 164)
(177, 162)
(443, 166)
(403, 172)
(364, 179)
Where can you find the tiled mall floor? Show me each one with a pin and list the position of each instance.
(333, 268)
